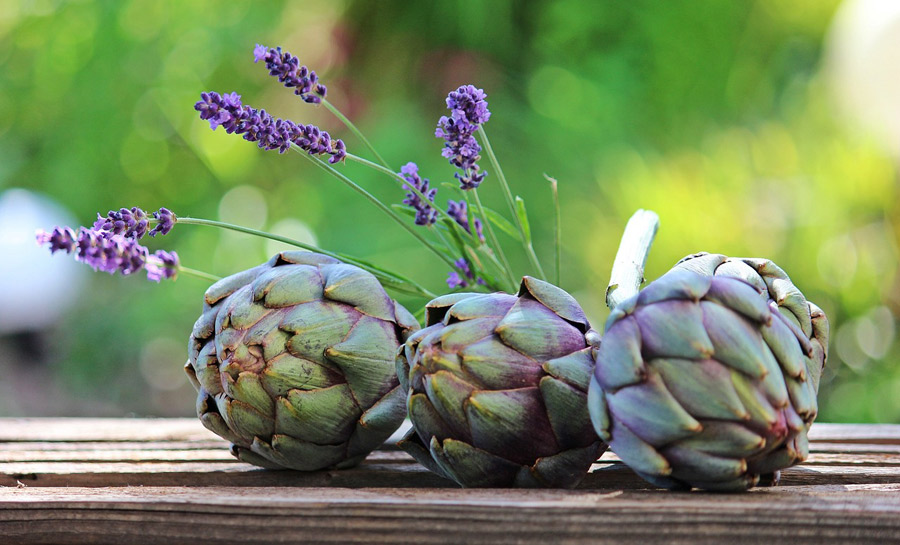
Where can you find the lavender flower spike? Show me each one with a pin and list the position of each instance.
(454, 280)
(287, 69)
(108, 251)
(425, 212)
(468, 111)
(460, 212)
(268, 132)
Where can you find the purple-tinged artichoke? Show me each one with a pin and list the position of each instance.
(709, 380)
(498, 388)
(293, 362)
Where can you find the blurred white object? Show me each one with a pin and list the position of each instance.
(36, 288)
(863, 60)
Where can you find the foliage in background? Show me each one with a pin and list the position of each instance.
(715, 115)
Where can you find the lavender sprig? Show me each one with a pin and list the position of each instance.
(468, 111)
(425, 212)
(110, 252)
(133, 222)
(268, 132)
(288, 70)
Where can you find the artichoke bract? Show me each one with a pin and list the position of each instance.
(293, 362)
(498, 388)
(707, 378)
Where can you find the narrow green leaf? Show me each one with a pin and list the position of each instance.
(554, 188)
(404, 210)
(502, 223)
(523, 218)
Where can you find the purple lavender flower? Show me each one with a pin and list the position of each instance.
(60, 239)
(166, 220)
(468, 111)
(109, 252)
(287, 69)
(425, 212)
(268, 132)
(162, 264)
(459, 211)
(130, 223)
(454, 280)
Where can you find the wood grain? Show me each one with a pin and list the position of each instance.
(171, 481)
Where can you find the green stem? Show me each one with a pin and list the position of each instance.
(349, 124)
(493, 237)
(470, 237)
(399, 283)
(198, 274)
(374, 200)
(529, 249)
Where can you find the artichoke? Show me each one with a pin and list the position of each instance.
(708, 377)
(498, 388)
(293, 362)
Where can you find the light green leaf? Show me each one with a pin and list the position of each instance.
(502, 223)
(523, 218)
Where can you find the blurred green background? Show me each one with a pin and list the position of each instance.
(719, 115)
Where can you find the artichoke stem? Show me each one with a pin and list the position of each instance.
(628, 267)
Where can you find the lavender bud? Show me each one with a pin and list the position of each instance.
(166, 220)
(425, 212)
(162, 264)
(288, 70)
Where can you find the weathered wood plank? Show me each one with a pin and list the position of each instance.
(854, 514)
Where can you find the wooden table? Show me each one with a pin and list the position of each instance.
(171, 481)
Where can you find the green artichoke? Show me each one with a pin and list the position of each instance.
(498, 388)
(293, 362)
(709, 380)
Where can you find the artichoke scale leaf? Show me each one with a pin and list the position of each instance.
(449, 396)
(426, 420)
(574, 369)
(387, 414)
(598, 410)
(241, 312)
(495, 366)
(783, 344)
(214, 422)
(303, 456)
(472, 467)
(557, 300)
(302, 257)
(358, 288)
(248, 456)
(703, 263)
(230, 284)
(248, 388)
(619, 362)
(481, 306)
(737, 268)
(537, 331)
(725, 439)
(413, 445)
(287, 372)
(744, 482)
(673, 329)
(325, 416)
(567, 411)
(736, 342)
(651, 412)
(243, 419)
(675, 285)
(288, 285)
(689, 465)
(512, 424)
(703, 387)
(316, 326)
(367, 359)
(740, 297)
(637, 453)
(568, 468)
(762, 413)
(459, 335)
